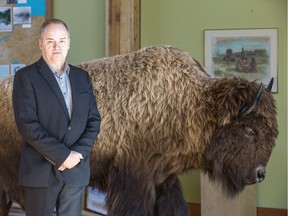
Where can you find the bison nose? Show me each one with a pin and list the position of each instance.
(261, 173)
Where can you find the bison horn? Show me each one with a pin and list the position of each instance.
(269, 87)
(253, 105)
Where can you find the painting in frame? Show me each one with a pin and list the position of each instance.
(246, 53)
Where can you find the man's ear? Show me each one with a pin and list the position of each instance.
(40, 44)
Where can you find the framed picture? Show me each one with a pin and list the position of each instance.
(95, 200)
(246, 53)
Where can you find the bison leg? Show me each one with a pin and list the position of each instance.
(5, 203)
(130, 192)
(170, 200)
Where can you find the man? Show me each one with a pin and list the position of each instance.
(57, 117)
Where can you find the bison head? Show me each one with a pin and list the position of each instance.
(245, 135)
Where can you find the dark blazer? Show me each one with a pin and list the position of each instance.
(47, 131)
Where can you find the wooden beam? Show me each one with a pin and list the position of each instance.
(123, 26)
(49, 9)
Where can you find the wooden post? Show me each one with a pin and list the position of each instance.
(49, 9)
(214, 202)
(123, 26)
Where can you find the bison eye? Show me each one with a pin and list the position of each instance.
(249, 132)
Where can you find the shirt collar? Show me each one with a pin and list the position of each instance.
(66, 68)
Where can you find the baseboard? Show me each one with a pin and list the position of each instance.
(195, 210)
(271, 212)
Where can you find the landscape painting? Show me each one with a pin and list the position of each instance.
(247, 53)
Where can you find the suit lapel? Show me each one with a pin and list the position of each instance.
(44, 69)
(74, 88)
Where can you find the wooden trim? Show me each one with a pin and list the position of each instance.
(49, 9)
(195, 210)
(137, 24)
(114, 27)
(271, 212)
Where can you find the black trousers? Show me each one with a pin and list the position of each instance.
(41, 201)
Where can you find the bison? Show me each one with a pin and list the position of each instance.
(162, 115)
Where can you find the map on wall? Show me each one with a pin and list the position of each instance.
(20, 22)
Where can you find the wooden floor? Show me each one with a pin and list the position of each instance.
(17, 211)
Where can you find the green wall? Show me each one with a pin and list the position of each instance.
(86, 22)
(181, 23)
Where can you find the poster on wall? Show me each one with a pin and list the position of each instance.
(21, 15)
(5, 19)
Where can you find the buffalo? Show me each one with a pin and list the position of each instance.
(162, 115)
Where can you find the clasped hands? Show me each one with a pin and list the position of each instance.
(71, 161)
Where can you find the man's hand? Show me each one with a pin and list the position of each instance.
(71, 161)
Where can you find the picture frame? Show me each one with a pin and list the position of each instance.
(246, 53)
(95, 200)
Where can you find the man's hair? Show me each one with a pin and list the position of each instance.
(52, 21)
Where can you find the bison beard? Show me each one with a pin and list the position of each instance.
(162, 115)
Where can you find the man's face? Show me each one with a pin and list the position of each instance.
(54, 44)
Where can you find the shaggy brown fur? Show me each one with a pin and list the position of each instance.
(161, 116)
